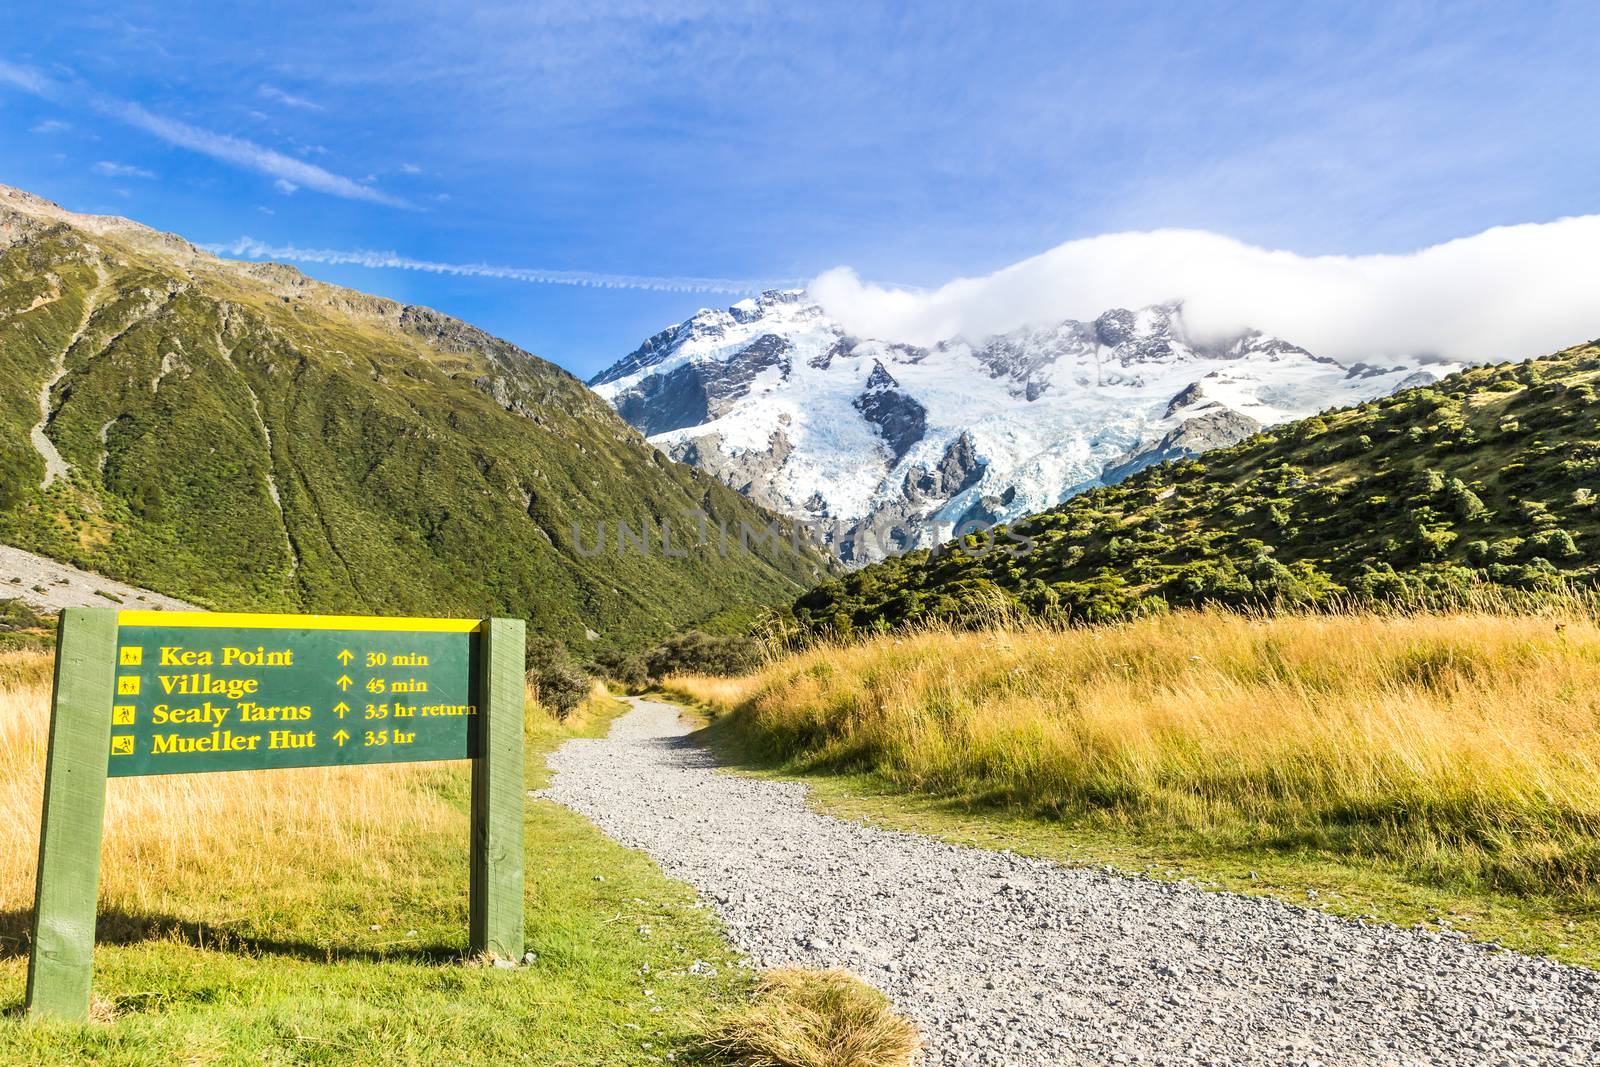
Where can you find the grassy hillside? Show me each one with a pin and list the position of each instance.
(238, 435)
(1409, 766)
(1485, 480)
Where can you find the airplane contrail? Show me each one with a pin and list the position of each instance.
(250, 248)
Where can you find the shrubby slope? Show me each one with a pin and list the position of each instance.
(1484, 480)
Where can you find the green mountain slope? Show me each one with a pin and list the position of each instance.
(241, 436)
(1487, 478)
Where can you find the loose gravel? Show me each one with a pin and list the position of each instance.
(51, 586)
(1003, 959)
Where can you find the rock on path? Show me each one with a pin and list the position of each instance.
(1007, 960)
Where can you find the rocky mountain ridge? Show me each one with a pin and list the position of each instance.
(882, 446)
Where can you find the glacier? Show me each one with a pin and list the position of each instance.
(882, 446)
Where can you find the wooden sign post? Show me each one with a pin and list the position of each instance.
(157, 692)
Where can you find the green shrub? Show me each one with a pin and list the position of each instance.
(1467, 504)
(559, 681)
(1553, 544)
(700, 653)
(625, 668)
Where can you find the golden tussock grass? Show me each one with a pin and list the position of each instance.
(1464, 746)
(801, 1018)
(225, 839)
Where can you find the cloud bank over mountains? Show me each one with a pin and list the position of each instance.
(1506, 293)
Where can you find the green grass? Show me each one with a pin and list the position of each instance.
(210, 975)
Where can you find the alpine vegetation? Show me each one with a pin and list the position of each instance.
(1481, 485)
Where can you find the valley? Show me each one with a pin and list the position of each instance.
(798, 535)
(1247, 733)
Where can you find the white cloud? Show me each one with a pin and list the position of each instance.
(225, 148)
(51, 126)
(247, 154)
(410, 168)
(286, 187)
(121, 170)
(250, 248)
(272, 92)
(25, 78)
(1508, 292)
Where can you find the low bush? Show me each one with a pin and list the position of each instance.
(554, 677)
(700, 653)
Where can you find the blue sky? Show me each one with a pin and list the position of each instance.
(645, 146)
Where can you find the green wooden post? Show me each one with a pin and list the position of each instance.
(62, 958)
(497, 796)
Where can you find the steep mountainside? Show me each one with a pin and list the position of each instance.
(239, 435)
(886, 446)
(1486, 479)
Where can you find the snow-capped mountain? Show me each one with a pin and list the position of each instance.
(887, 446)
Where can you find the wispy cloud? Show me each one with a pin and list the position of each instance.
(225, 148)
(50, 126)
(286, 187)
(25, 78)
(272, 92)
(121, 170)
(250, 248)
(247, 154)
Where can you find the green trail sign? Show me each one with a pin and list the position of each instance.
(203, 692)
(154, 692)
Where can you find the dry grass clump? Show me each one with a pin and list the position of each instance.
(19, 669)
(1465, 746)
(800, 1018)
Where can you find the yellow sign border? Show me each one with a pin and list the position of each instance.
(246, 620)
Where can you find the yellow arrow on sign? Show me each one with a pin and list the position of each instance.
(345, 657)
(344, 681)
(340, 708)
(341, 737)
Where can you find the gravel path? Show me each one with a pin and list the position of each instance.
(1008, 960)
